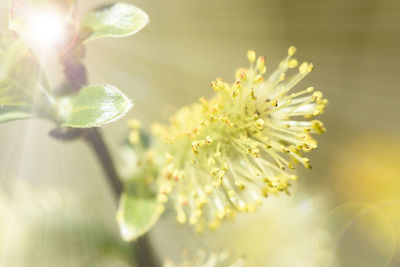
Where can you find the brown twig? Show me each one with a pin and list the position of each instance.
(75, 74)
(95, 140)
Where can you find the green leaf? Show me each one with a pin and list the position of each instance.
(14, 115)
(23, 88)
(116, 20)
(95, 106)
(139, 208)
(136, 215)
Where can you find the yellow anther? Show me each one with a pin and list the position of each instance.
(215, 184)
(134, 124)
(181, 217)
(203, 101)
(134, 137)
(214, 225)
(310, 89)
(204, 123)
(220, 84)
(169, 140)
(260, 62)
(209, 139)
(317, 96)
(201, 202)
(241, 74)
(252, 94)
(293, 63)
(258, 78)
(237, 85)
(303, 69)
(318, 126)
(176, 175)
(282, 77)
(291, 50)
(195, 147)
(168, 158)
(208, 189)
(183, 200)
(261, 65)
(225, 166)
(214, 171)
(198, 212)
(306, 163)
(260, 123)
(262, 69)
(225, 118)
(162, 198)
(157, 129)
(265, 191)
(192, 220)
(242, 207)
(220, 214)
(167, 189)
(241, 185)
(255, 152)
(251, 56)
(215, 86)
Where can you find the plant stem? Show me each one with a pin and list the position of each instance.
(75, 74)
(142, 251)
(95, 140)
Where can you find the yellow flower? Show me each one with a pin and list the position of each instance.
(224, 154)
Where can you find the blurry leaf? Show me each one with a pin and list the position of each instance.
(116, 20)
(136, 160)
(95, 106)
(54, 216)
(14, 115)
(139, 208)
(136, 215)
(22, 93)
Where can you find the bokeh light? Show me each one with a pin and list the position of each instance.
(46, 29)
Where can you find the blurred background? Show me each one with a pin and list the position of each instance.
(56, 208)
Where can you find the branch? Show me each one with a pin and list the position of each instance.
(143, 252)
(95, 140)
(75, 74)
